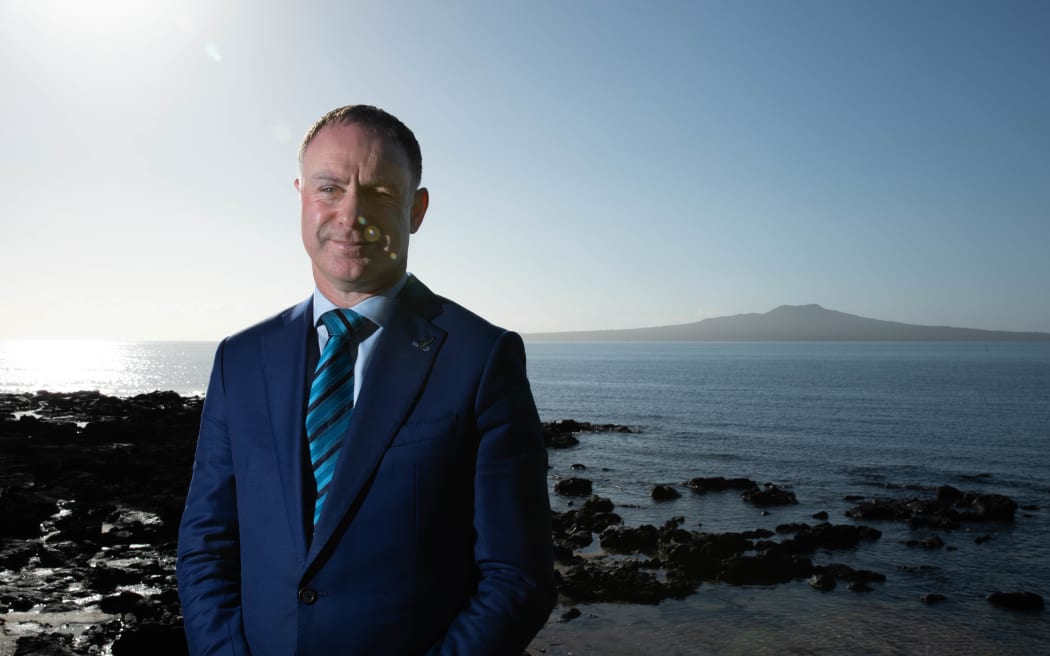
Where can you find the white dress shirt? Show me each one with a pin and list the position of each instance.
(378, 309)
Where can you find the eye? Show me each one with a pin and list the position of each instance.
(384, 194)
(327, 189)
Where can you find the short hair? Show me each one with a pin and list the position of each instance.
(379, 122)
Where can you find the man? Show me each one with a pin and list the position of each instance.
(398, 506)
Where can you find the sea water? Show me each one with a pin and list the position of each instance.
(825, 419)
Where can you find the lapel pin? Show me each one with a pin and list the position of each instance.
(423, 345)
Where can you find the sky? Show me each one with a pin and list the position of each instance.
(590, 164)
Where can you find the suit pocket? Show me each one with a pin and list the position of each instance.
(425, 430)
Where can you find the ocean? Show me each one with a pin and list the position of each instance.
(825, 420)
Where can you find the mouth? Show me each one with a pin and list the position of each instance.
(348, 243)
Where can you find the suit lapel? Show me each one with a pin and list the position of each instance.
(398, 370)
(284, 370)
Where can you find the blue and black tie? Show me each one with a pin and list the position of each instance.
(332, 397)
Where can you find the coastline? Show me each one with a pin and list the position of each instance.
(88, 536)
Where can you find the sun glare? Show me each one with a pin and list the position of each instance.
(63, 365)
(97, 20)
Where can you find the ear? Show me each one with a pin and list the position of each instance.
(296, 183)
(419, 208)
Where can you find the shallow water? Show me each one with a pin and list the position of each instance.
(825, 420)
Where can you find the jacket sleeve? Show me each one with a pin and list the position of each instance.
(512, 520)
(208, 563)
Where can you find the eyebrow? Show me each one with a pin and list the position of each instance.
(326, 176)
(379, 183)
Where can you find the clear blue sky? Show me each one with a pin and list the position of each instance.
(591, 164)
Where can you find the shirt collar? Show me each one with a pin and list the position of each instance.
(376, 309)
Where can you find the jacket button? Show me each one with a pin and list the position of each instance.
(307, 596)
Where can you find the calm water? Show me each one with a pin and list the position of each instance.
(826, 419)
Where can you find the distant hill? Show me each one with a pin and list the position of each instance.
(795, 322)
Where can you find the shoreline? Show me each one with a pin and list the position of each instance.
(84, 533)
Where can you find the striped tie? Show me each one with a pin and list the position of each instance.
(332, 397)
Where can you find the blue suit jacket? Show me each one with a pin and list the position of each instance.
(435, 538)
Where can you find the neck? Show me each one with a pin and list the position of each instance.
(349, 297)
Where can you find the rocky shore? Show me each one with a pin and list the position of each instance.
(92, 492)
(92, 487)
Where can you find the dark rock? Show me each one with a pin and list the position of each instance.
(45, 644)
(833, 536)
(931, 598)
(106, 579)
(16, 555)
(981, 539)
(598, 522)
(822, 582)
(152, 639)
(619, 539)
(573, 487)
(770, 495)
(562, 426)
(869, 533)
(877, 509)
(994, 507)
(948, 494)
(947, 511)
(699, 556)
(19, 604)
(1016, 600)
(125, 602)
(577, 466)
(23, 509)
(127, 470)
(559, 434)
(571, 521)
(42, 431)
(670, 533)
(597, 504)
(559, 440)
(622, 581)
(758, 533)
(859, 586)
(847, 573)
(570, 615)
(822, 515)
(581, 538)
(664, 493)
(565, 552)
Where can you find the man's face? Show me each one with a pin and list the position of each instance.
(359, 205)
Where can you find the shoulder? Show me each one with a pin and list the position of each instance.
(457, 321)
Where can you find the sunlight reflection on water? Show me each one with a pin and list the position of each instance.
(117, 368)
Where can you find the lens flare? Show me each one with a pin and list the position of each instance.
(372, 234)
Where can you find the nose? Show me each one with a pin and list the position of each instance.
(349, 207)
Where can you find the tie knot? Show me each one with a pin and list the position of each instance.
(343, 322)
